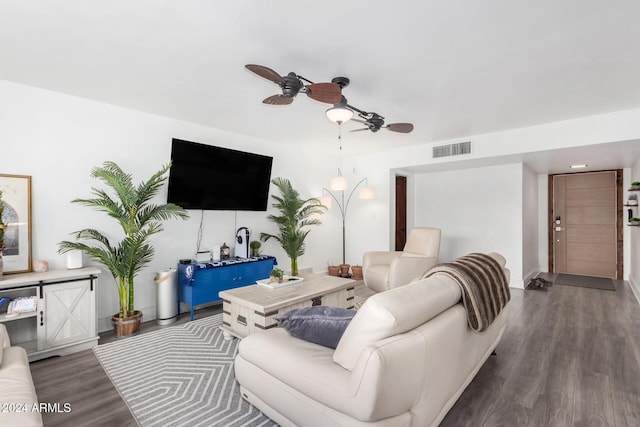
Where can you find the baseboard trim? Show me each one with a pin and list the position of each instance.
(635, 288)
(516, 283)
(533, 273)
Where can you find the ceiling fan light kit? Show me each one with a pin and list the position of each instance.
(339, 114)
(329, 93)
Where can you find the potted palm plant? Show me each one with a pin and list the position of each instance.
(295, 216)
(131, 207)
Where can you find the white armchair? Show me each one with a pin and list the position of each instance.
(384, 270)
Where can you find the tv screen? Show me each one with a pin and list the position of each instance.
(215, 178)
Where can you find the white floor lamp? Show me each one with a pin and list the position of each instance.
(339, 183)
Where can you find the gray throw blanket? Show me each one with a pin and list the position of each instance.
(485, 291)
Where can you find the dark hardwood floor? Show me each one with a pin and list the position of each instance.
(570, 357)
(79, 379)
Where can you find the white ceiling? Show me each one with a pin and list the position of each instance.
(453, 68)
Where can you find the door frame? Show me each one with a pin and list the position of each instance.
(400, 236)
(619, 221)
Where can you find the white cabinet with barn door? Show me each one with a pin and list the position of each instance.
(67, 314)
(61, 316)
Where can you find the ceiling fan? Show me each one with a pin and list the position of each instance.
(330, 93)
(292, 84)
(373, 121)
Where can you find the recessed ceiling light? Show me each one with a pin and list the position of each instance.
(578, 166)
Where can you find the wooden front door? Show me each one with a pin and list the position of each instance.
(584, 224)
(401, 212)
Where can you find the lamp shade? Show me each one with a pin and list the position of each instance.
(325, 201)
(338, 183)
(339, 114)
(367, 193)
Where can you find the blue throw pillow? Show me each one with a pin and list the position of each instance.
(319, 324)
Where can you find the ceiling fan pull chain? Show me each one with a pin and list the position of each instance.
(340, 135)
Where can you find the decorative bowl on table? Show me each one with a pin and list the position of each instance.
(274, 283)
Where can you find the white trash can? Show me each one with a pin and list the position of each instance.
(167, 297)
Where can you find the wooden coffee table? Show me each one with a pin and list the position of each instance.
(255, 307)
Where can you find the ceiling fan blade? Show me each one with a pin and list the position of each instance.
(265, 72)
(358, 121)
(400, 127)
(277, 100)
(329, 93)
(358, 130)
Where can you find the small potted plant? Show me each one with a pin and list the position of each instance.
(276, 275)
(635, 185)
(344, 270)
(255, 247)
(634, 221)
(357, 272)
(334, 270)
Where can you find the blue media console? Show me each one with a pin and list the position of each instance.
(200, 283)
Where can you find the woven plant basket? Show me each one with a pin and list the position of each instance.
(126, 326)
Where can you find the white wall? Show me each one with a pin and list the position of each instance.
(478, 210)
(491, 150)
(57, 139)
(543, 226)
(530, 225)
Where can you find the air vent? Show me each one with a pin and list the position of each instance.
(452, 149)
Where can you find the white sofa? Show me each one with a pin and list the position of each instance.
(404, 360)
(18, 401)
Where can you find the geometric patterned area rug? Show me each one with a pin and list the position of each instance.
(603, 283)
(180, 376)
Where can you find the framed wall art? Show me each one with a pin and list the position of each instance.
(16, 197)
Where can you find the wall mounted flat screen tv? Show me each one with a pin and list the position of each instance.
(215, 178)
